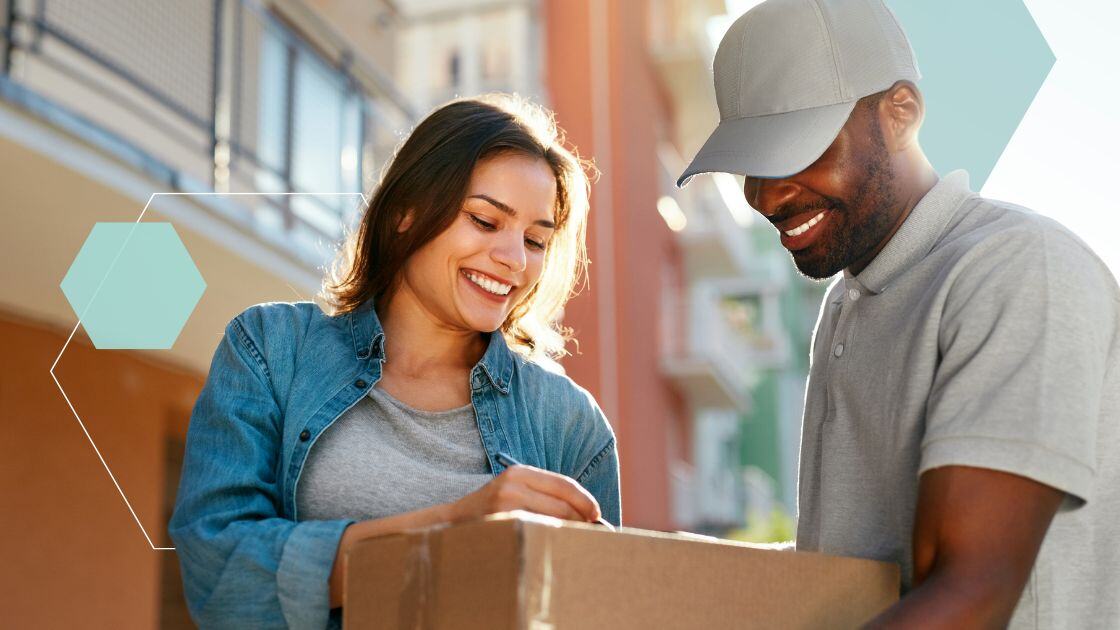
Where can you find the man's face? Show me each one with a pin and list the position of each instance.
(838, 211)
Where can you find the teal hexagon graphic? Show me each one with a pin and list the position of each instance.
(982, 63)
(133, 286)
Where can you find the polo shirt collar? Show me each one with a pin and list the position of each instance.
(369, 341)
(917, 235)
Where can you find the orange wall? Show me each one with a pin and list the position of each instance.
(73, 557)
(650, 417)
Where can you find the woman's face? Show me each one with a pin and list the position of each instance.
(475, 272)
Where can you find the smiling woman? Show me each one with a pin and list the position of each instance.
(499, 163)
(318, 429)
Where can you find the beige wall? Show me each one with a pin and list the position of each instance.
(49, 208)
(369, 26)
(73, 555)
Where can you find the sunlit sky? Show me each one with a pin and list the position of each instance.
(1063, 161)
(1063, 158)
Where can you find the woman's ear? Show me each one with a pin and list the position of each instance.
(405, 222)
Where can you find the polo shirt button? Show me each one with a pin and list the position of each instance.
(304, 435)
(360, 384)
(853, 294)
(839, 349)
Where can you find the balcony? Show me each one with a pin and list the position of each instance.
(752, 305)
(718, 335)
(104, 104)
(720, 497)
(712, 233)
(227, 96)
(679, 44)
(681, 51)
(702, 353)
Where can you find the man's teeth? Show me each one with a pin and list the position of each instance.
(493, 286)
(804, 227)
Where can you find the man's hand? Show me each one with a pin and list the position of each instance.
(976, 534)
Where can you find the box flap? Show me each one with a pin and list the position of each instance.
(464, 576)
(577, 577)
(529, 572)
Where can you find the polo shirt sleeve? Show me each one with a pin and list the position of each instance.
(1026, 331)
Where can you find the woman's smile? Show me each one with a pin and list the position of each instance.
(487, 286)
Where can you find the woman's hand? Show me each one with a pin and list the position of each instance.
(517, 488)
(531, 489)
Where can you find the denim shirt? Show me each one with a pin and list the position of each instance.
(282, 373)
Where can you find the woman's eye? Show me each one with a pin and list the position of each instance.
(538, 245)
(486, 225)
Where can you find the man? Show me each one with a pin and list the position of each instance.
(963, 401)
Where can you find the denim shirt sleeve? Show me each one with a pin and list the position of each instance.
(600, 478)
(243, 563)
(597, 462)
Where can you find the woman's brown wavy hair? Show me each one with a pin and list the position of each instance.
(429, 175)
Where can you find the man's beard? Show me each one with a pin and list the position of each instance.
(859, 224)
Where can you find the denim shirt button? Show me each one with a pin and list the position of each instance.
(304, 435)
(360, 384)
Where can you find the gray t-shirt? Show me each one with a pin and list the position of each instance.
(382, 457)
(982, 335)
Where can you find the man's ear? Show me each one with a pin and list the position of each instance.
(405, 222)
(901, 112)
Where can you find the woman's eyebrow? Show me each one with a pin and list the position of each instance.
(508, 210)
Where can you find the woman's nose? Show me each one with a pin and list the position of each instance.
(510, 252)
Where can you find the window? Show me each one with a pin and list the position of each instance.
(310, 125)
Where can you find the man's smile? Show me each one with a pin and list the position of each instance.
(803, 230)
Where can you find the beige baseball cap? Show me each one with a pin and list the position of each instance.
(788, 74)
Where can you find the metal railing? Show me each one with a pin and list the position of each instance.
(221, 95)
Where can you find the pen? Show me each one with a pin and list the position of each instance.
(507, 461)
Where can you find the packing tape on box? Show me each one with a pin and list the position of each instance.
(419, 586)
(419, 591)
(538, 600)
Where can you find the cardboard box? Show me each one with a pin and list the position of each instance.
(525, 572)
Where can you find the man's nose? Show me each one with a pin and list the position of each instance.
(767, 195)
(509, 250)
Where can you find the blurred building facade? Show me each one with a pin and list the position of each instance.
(665, 343)
(101, 105)
(630, 81)
(450, 48)
(692, 326)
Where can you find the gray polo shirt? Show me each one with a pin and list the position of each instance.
(982, 335)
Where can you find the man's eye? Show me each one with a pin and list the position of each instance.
(486, 225)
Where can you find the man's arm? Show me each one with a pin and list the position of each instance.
(976, 534)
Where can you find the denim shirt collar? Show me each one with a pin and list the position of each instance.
(369, 342)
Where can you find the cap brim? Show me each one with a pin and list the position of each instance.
(773, 146)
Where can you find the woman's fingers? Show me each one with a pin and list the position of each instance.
(559, 487)
(548, 505)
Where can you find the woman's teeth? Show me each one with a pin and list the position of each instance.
(493, 286)
(804, 227)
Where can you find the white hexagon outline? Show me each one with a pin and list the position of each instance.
(58, 384)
